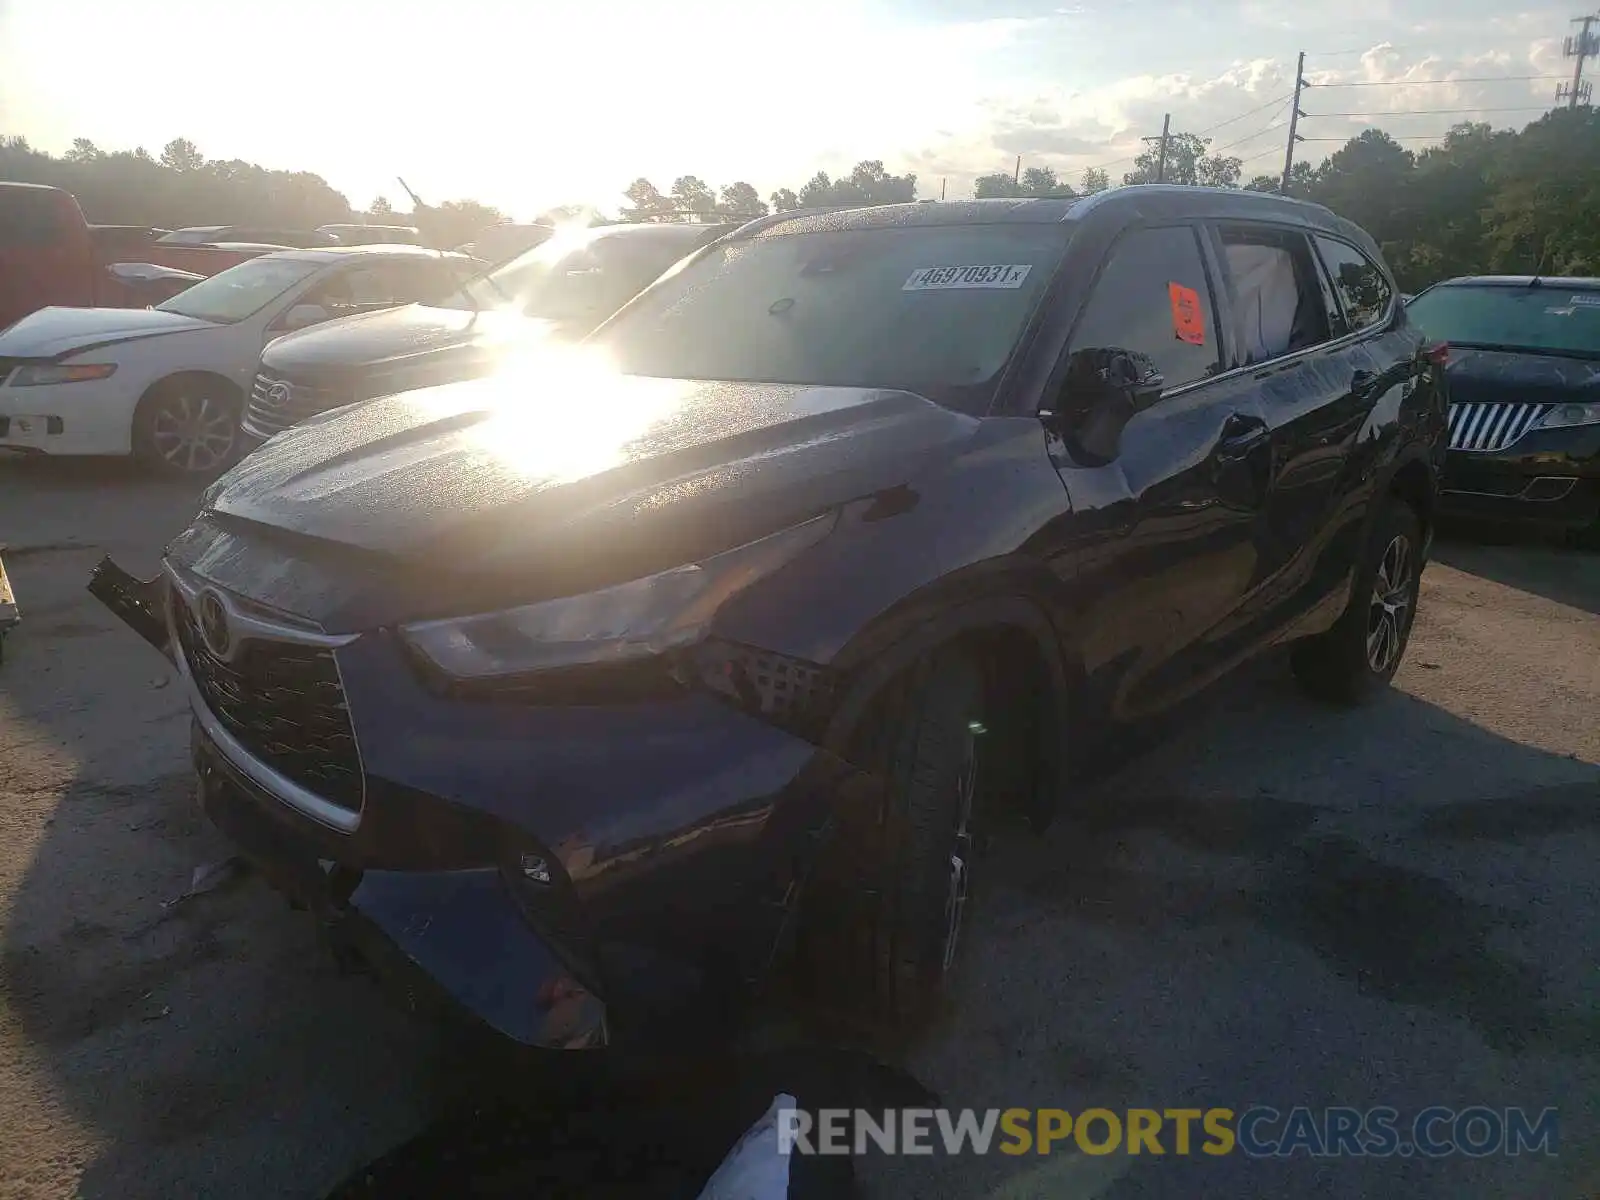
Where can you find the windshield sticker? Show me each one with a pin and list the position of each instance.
(1560, 312)
(1588, 300)
(1188, 322)
(1003, 276)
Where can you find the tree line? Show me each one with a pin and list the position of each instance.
(1483, 199)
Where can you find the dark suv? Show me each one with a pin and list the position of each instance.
(720, 638)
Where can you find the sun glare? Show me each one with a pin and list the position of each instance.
(563, 413)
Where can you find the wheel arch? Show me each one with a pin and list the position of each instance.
(1026, 669)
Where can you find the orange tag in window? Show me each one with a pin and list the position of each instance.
(1188, 322)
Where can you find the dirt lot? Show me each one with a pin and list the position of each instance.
(1290, 905)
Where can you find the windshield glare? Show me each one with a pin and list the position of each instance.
(241, 291)
(937, 310)
(584, 274)
(1548, 319)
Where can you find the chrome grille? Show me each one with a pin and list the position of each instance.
(284, 703)
(269, 414)
(1486, 427)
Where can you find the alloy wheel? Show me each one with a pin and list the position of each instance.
(1389, 613)
(193, 434)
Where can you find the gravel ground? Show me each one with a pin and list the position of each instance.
(1278, 904)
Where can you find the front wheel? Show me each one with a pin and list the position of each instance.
(187, 427)
(1361, 653)
(894, 892)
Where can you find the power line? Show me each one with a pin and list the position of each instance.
(1408, 137)
(1366, 50)
(1277, 123)
(1249, 113)
(1324, 87)
(1423, 112)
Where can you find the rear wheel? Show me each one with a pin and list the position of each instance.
(188, 426)
(1361, 653)
(893, 894)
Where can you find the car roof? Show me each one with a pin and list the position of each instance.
(1522, 281)
(1137, 200)
(332, 254)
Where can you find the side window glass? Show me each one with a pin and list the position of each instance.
(1278, 299)
(1153, 297)
(1362, 288)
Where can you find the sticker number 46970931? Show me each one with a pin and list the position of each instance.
(998, 275)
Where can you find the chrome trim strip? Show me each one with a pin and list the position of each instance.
(1377, 329)
(280, 787)
(247, 626)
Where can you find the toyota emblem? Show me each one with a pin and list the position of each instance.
(214, 625)
(278, 394)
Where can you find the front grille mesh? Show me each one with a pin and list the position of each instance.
(1487, 427)
(284, 703)
(268, 414)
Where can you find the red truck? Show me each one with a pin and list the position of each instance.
(49, 255)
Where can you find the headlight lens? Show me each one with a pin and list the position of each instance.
(615, 625)
(38, 376)
(1563, 416)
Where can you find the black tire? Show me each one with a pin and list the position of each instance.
(188, 427)
(1360, 654)
(892, 893)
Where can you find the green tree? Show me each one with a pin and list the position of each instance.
(784, 200)
(646, 203)
(1095, 180)
(380, 207)
(998, 185)
(84, 151)
(1042, 181)
(741, 199)
(692, 196)
(1187, 163)
(180, 154)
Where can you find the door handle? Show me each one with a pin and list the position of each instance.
(1240, 436)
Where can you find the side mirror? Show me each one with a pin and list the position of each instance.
(303, 315)
(1104, 389)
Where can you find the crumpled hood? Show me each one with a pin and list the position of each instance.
(521, 486)
(55, 332)
(1498, 376)
(393, 336)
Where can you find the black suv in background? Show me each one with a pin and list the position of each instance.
(1524, 392)
(593, 690)
(562, 288)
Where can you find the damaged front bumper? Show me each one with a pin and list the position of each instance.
(451, 942)
(669, 839)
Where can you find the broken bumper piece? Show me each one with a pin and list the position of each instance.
(445, 942)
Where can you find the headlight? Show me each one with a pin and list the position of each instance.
(61, 373)
(1563, 416)
(621, 624)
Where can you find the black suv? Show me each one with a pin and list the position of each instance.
(719, 639)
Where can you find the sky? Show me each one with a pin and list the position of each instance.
(524, 104)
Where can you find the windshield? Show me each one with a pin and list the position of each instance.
(932, 309)
(1547, 319)
(586, 274)
(241, 291)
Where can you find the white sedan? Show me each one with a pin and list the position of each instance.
(167, 384)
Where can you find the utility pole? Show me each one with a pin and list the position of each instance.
(942, 182)
(1294, 123)
(1584, 45)
(1016, 176)
(1161, 154)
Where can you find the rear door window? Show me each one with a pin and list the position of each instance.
(1363, 291)
(1280, 303)
(1153, 297)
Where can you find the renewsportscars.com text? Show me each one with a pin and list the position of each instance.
(1256, 1132)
